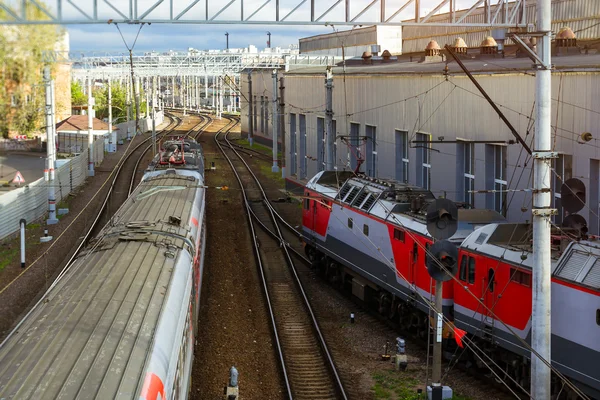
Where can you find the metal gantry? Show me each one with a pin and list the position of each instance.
(190, 63)
(263, 12)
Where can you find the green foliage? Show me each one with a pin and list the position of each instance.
(396, 385)
(78, 98)
(21, 56)
(119, 103)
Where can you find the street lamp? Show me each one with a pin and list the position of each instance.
(269, 41)
(227, 40)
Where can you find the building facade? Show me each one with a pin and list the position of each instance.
(385, 113)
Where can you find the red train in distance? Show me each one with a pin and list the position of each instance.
(369, 236)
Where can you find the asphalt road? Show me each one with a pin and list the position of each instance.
(30, 166)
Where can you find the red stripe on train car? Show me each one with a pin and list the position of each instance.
(153, 386)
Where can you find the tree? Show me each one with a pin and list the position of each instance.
(119, 102)
(22, 94)
(78, 98)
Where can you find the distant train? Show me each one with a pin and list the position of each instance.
(369, 236)
(121, 322)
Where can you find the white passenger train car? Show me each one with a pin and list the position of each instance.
(120, 324)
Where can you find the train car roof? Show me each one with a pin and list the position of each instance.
(91, 334)
(507, 241)
(394, 201)
(580, 263)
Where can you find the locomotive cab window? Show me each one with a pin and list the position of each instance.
(350, 223)
(399, 235)
(598, 316)
(366, 229)
(307, 204)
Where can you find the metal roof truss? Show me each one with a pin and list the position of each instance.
(263, 12)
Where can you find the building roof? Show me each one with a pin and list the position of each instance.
(475, 63)
(80, 123)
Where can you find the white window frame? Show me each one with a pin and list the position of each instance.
(372, 160)
(469, 172)
(426, 160)
(500, 179)
(404, 156)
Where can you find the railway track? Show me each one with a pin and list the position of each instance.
(308, 368)
(461, 371)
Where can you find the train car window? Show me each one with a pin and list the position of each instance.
(598, 316)
(463, 268)
(350, 223)
(415, 252)
(307, 204)
(520, 277)
(491, 282)
(471, 270)
(399, 235)
(366, 229)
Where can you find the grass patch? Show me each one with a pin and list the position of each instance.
(395, 385)
(33, 226)
(258, 147)
(265, 169)
(7, 255)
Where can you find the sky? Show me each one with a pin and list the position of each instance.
(162, 37)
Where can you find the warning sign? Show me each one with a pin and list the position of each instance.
(18, 178)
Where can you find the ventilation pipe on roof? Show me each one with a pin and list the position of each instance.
(566, 41)
(489, 46)
(459, 46)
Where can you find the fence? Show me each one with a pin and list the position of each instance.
(31, 201)
(145, 126)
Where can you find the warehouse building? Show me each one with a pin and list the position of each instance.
(385, 109)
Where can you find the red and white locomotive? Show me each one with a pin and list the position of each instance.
(369, 236)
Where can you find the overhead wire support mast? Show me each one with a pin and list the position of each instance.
(542, 263)
(275, 124)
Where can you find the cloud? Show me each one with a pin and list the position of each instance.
(179, 37)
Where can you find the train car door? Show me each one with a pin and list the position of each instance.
(490, 288)
(413, 262)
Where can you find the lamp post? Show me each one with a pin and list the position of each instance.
(227, 40)
(269, 41)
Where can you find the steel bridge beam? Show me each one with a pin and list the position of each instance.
(267, 12)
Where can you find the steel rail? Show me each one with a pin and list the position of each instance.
(340, 388)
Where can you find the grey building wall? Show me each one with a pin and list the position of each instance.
(454, 110)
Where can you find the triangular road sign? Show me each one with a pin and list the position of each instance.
(18, 178)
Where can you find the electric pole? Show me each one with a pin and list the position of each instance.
(250, 111)
(227, 40)
(542, 156)
(90, 129)
(274, 124)
(50, 147)
(282, 123)
(330, 135)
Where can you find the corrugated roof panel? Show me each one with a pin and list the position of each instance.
(573, 265)
(593, 277)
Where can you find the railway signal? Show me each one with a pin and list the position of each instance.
(442, 260)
